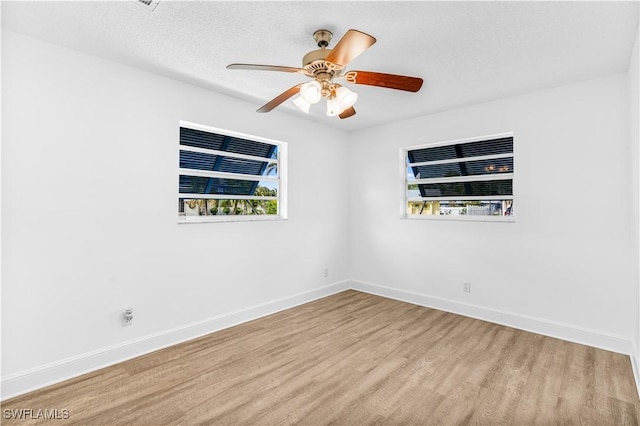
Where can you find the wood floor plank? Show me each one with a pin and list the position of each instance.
(354, 359)
(605, 411)
(541, 390)
(457, 407)
(495, 407)
(578, 379)
(610, 377)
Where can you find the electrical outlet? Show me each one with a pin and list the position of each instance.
(326, 272)
(466, 287)
(127, 317)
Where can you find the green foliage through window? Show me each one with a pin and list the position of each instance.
(472, 177)
(224, 173)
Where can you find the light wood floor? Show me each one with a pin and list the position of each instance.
(355, 358)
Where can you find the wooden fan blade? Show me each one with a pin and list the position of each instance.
(349, 112)
(350, 46)
(257, 67)
(280, 98)
(390, 81)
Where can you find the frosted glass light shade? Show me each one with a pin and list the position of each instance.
(311, 91)
(302, 104)
(333, 107)
(346, 98)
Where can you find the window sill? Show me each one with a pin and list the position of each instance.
(220, 219)
(506, 219)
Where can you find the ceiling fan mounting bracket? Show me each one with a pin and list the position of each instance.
(322, 38)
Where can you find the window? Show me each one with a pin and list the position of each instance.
(468, 179)
(229, 176)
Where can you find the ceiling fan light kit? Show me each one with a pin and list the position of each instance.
(311, 92)
(333, 107)
(323, 66)
(346, 98)
(301, 103)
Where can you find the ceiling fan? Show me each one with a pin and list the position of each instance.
(326, 65)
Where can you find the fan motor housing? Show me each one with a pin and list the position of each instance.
(314, 56)
(314, 63)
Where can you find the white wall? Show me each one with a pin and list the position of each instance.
(634, 114)
(89, 216)
(563, 268)
(89, 212)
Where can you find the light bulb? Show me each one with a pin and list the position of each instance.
(346, 98)
(302, 104)
(311, 91)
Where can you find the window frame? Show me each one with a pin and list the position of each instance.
(280, 178)
(405, 182)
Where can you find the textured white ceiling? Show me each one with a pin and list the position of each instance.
(466, 52)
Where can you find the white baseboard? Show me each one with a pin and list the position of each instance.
(536, 325)
(37, 378)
